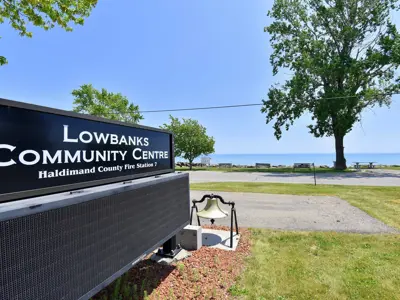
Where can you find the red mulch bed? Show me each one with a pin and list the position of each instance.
(207, 274)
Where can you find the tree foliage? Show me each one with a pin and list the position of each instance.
(342, 55)
(105, 104)
(43, 13)
(190, 139)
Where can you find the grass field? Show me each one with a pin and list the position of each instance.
(322, 265)
(382, 203)
(298, 265)
(268, 170)
(396, 168)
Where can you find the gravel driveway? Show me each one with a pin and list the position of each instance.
(296, 213)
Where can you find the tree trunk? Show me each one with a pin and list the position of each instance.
(340, 160)
(190, 164)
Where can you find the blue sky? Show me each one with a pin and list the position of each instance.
(174, 54)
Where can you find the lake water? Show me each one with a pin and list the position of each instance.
(289, 159)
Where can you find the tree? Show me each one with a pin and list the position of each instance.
(342, 53)
(190, 139)
(43, 13)
(105, 104)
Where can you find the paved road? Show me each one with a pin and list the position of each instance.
(373, 177)
(296, 213)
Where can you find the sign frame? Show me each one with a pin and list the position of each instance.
(14, 196)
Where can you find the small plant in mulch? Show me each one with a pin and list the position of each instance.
(135, 292)
(198, 291)
(171, 294)
(216, 259)
(195, 275)
(236, 290)
(181, 268)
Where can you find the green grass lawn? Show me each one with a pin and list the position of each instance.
(382, 203)
(322, 265)
(396, 168)
(261, 170)
(299, 265)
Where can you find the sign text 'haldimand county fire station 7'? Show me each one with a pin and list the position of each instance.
(39, 149)
(31, 157)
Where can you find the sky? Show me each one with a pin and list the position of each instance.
(177, 54)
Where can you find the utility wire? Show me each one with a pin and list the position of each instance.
(199, 108)
(239, 105)
(250, 104)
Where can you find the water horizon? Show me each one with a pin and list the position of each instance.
(290, 158)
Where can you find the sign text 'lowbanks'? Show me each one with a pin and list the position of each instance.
(43, 151)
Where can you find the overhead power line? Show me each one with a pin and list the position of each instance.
(249, 104)
(237, 105)
(199, 108)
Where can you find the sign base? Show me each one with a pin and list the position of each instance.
(170, 249)
(96, 236)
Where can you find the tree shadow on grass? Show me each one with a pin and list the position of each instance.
(137, 283)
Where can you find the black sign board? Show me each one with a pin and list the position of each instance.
(44, 150)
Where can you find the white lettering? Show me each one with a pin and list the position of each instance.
(66, 138)
(85, 159)
(10, 162)
(102, 169)
(129, 167)
(123, 140)
(102, 156)
(69, 157)
(29, 163)
(114, 153)
(151, 155)
(114, 139)
(101, 137)
(82, 134)
(146, 141)
(123, 153)
(134, 153)
(56, 157)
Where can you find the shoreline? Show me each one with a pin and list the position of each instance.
(287, 160)
(246, 166)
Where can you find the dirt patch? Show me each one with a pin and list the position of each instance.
(396, 201)
(207, 274)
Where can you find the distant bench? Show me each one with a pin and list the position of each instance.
(302, 166)
(358, 164)
(225, 165)
(262, 165)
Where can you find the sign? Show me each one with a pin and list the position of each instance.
(44, 150)
(205, 160)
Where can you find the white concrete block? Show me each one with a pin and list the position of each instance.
(220, 239)
(190, 238)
